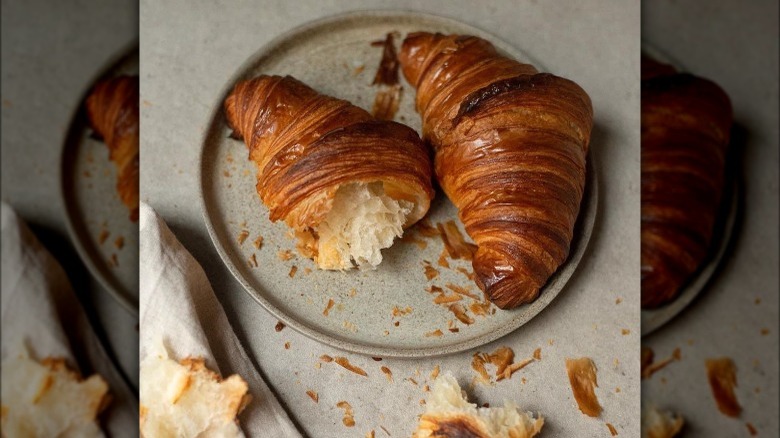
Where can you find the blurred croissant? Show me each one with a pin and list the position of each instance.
(685, 130)
(112, 109)
(347, 183)
(510, 154)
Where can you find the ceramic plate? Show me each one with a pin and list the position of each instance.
(654, 319)
(98, 222)
(387, 311)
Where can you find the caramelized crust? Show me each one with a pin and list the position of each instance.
(112, 109)
(685, 133)
(306, 145)
(510, 154)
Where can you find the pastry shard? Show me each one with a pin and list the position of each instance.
(112, 109)
(660, 424)
(583, 381)
(722, 375)
(347, 183)
(449, 414)
(187, 399)
(48, 399)
(511, 146)
(686, 122)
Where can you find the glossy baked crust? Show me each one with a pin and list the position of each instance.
(685, 132)
(511, 146)
(306, 144)
(112, 109)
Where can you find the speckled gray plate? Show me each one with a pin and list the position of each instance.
(654, 319)
(335, 57)
(96, 217)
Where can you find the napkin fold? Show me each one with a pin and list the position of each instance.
(179, 308)
(40, 314)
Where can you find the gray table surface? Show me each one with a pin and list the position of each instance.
(51, 51)
(188, 52)
(737, 47)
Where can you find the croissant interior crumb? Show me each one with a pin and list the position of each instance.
(448, 413)
(47, 397)
(362, 221)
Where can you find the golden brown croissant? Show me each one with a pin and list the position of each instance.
(510, 154)
(112, 108)
(685, 131)
(347, 183)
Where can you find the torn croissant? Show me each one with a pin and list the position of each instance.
(449, 414)
(660, 424)
(347, 183)
(510, 154)
(686, 122)
(186, 399)
(112, 109)
(48, 399)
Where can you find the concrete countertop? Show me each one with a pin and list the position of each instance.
(188, 52)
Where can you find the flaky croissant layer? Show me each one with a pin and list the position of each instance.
(112, 109)
(308, 146)
(511, 146)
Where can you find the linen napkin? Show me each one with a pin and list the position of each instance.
(41, 313)
(179, 308)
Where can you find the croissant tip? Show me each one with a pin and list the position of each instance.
(235, 135)
(508, 297)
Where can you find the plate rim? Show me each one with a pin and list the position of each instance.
(77, 115)
(585, 220)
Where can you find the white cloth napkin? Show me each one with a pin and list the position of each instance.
(178, 306)
(41, 313)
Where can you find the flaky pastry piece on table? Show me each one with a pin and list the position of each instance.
(511, 146)
(686, 122)
(186, 399)
(448, 414)
(346, 183)
(660, 424)
(49, 399)
(112, 109)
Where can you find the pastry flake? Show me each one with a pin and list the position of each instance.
(722, 375)
(582, 377)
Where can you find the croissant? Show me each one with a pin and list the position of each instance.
(685, 131)
(510, 149)
(348, 184)
(112, 109)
